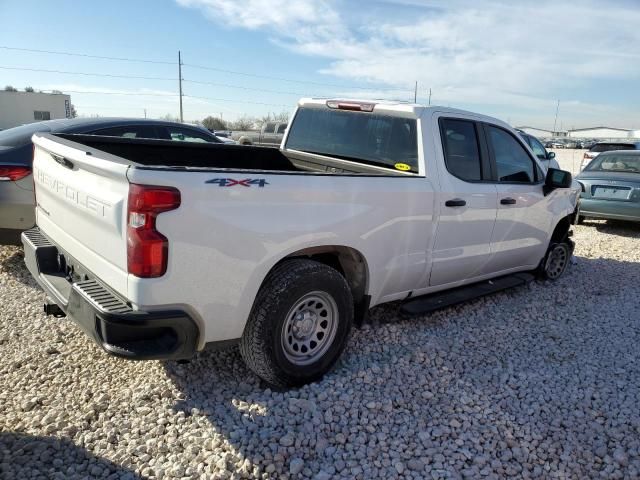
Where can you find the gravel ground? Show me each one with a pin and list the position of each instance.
(541, 381)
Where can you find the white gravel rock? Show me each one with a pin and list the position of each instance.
(536, 382)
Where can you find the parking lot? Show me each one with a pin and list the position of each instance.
(541, 381)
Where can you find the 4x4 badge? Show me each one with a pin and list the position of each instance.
(231, 182)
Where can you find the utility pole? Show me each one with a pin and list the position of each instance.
(429, 95)
(415, 93)
(145, 113)
(556, 120)
(180, 84)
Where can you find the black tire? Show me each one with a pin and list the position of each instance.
(264, 346)
(580, 220)
(555, 261)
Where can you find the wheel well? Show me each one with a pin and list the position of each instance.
(562, 230)
(351, 265)
(348, 261)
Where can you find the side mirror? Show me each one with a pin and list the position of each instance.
(556, 179)
(551, 155)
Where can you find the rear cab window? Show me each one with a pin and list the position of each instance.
(370, 138)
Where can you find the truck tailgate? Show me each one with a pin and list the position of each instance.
(81, 198)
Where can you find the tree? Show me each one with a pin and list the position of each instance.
(56, 92)
(29, 89)
(243, 123)
(214, 123)
(273, 117)
(170, 118)
(73, 111)
(9, 88)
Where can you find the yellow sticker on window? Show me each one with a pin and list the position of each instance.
(402, 166)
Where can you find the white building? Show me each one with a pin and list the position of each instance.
(18, 108)
(537, 132)
(602, 132)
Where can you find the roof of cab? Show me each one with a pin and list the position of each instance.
(397, 107)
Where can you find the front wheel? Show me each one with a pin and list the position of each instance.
(299, 323)
(555, 261)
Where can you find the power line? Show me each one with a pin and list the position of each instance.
(138, 77)
(227, 85)
(203, 67)
(174, 95)
(234, 72)
(114, 93)
(72, 54)
(240, 101)
(87, 74)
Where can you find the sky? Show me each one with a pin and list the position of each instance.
(512, 60)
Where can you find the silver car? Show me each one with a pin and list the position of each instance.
(16, 182)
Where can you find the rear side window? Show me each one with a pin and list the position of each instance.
(132, 131)
(179, 134)
(282, 128)
(513, 163)
(369, 138)
(606, 147)
(461, 151)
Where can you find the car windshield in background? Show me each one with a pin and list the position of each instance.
(615, 163)
(371, 138)
(606, 147)
(19, 136)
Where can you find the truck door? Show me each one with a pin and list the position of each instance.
(520, 235)
(467, 202)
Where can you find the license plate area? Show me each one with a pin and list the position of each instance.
(611, 193)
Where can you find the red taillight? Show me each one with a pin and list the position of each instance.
(147, 249)
(12, 174)
(355, 106)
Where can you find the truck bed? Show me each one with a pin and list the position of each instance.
(152, 152)
(142, 152)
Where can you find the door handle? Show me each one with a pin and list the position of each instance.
(456, 202)
(508, 201)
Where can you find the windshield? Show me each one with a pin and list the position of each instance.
(615, 163)
(18, 136)
(605, 147)
(371, 138)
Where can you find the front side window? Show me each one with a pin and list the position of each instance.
(365, 137)
(461, 152)
(513, 163)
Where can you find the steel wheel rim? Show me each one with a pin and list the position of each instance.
(309, 328)
(557, 261)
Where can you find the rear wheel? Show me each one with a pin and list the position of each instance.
(555, 262)
(299, 324)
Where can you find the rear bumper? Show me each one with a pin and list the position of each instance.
(610, 209)
(103, 315)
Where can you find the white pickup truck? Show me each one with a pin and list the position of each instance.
(158, 249)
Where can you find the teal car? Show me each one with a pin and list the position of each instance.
(611, 187)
